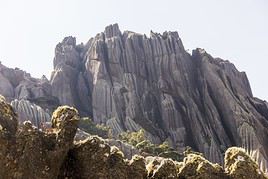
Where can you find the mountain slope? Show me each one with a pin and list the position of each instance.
(130, 81)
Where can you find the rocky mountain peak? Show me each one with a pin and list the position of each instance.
(130, 81)
(112, 31)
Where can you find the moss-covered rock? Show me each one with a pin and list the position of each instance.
(137, 167)
(152, 164)
(26, 152)
(195, 166)
(8, 118)
(63, 116)
(8, 128)
(166, 169)
(239, 165)
(30, 153)
(90, 158)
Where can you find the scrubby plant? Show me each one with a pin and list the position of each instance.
(138, 140)
(87, 125)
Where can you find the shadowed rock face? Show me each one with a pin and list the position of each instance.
(29, 153)
(130, 81)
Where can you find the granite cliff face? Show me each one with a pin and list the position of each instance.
(130, 81)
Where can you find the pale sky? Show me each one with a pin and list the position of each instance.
(235, 30)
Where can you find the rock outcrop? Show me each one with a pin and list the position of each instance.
(28, 111)
(67, 79)
(18, 84)
(26, 152)
(240, 165)
(130, 81)
(30, 153)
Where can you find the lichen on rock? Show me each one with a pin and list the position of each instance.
(137, 167)
(8, 118)
(195, 166)
(63, 115)
(239, 165)
(27, 152)
(166, 169)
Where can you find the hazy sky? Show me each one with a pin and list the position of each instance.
(235, 30)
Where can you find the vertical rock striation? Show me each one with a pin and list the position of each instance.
(130, 81)
(28, 111)
(67, 79)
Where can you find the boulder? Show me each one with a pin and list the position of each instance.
(238, 164)
(27, 152)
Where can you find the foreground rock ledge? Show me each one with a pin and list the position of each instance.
(26, 152)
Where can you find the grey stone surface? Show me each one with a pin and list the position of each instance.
(127, 149)
(18, 84)
(67, 80)
(28, 111)
(130, 81)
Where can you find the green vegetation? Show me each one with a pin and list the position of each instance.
(87, 125)
(138, 140)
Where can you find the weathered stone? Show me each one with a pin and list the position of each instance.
(8, 119)
(129, 81)
(166, 169)
(137, 168)
(30, 153)
(30, 111)
(195, 166)
(135, 81)
(239, 165)
(27, 152)
(17, 84)
(68, 83)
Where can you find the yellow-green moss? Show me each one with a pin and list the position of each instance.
(8, 118)
(239, 165)
(2, 98)
(137, 168)
(166, 169)
(66, 113)
(115, 150)
(195, 166)
(5, 108)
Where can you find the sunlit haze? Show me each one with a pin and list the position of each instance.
(233, 30)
